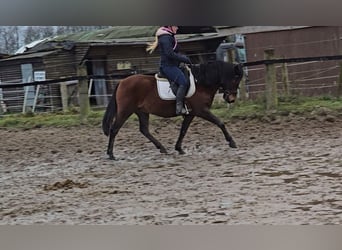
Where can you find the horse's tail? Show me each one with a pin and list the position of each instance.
(110, 113)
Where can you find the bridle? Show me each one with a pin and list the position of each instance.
(227, 92)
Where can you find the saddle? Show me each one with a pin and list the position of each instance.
(166, 90)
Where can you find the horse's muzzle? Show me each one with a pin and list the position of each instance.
(230, 98)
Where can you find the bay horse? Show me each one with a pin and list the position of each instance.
(138, 94)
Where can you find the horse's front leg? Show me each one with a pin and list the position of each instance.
(143, 125)
(207, 115)
(185, 125)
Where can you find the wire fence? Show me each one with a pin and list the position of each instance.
(312, 78)
(308, 76)
(37, 99)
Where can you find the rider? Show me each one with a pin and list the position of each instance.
(169, 62)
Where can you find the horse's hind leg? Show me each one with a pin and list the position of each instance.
(143, 123)
(185, 125)
(112, 133)
(119, 121)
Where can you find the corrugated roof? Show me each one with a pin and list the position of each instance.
(28, 55)
(28, 46)
(128, 32)
(230, 30)
(144, 40)
(3, 55)
(117, 32)
(120, 35)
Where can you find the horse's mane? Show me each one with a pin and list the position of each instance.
(212, 73)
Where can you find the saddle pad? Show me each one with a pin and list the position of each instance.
(165, 91)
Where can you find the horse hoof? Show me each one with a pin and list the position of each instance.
(163, 151)
(111, 157)
(181, 152)
(232, 145)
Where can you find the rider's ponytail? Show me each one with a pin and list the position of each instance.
(152, 46)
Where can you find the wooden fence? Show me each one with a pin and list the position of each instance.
(271, 93)
(270, 79)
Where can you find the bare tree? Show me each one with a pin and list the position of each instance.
(61, 30)
(31, 34)
(9, 39)
(47, 31)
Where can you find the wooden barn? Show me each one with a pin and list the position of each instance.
(28, 67)
(103, 52)
(303, 78)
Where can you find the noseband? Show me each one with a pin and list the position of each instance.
(230, 91)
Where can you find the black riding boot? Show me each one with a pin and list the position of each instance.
(180, 110)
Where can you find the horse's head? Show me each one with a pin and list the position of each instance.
(231, 76)
(223, 75)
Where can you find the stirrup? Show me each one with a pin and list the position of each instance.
(184, 111)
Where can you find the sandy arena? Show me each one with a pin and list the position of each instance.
(286, 171)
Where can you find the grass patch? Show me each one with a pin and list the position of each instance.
(239, 110)
(40, 120)
(302, 105)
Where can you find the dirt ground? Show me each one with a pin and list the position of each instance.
(285, 171)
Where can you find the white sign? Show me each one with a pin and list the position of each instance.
(39, 76)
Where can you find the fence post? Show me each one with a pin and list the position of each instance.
(285, 78)
(242, 89)
(1, 109)
(2, 104)
(271, 85)
(339, 84)
(64, 94)
(83, 92)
